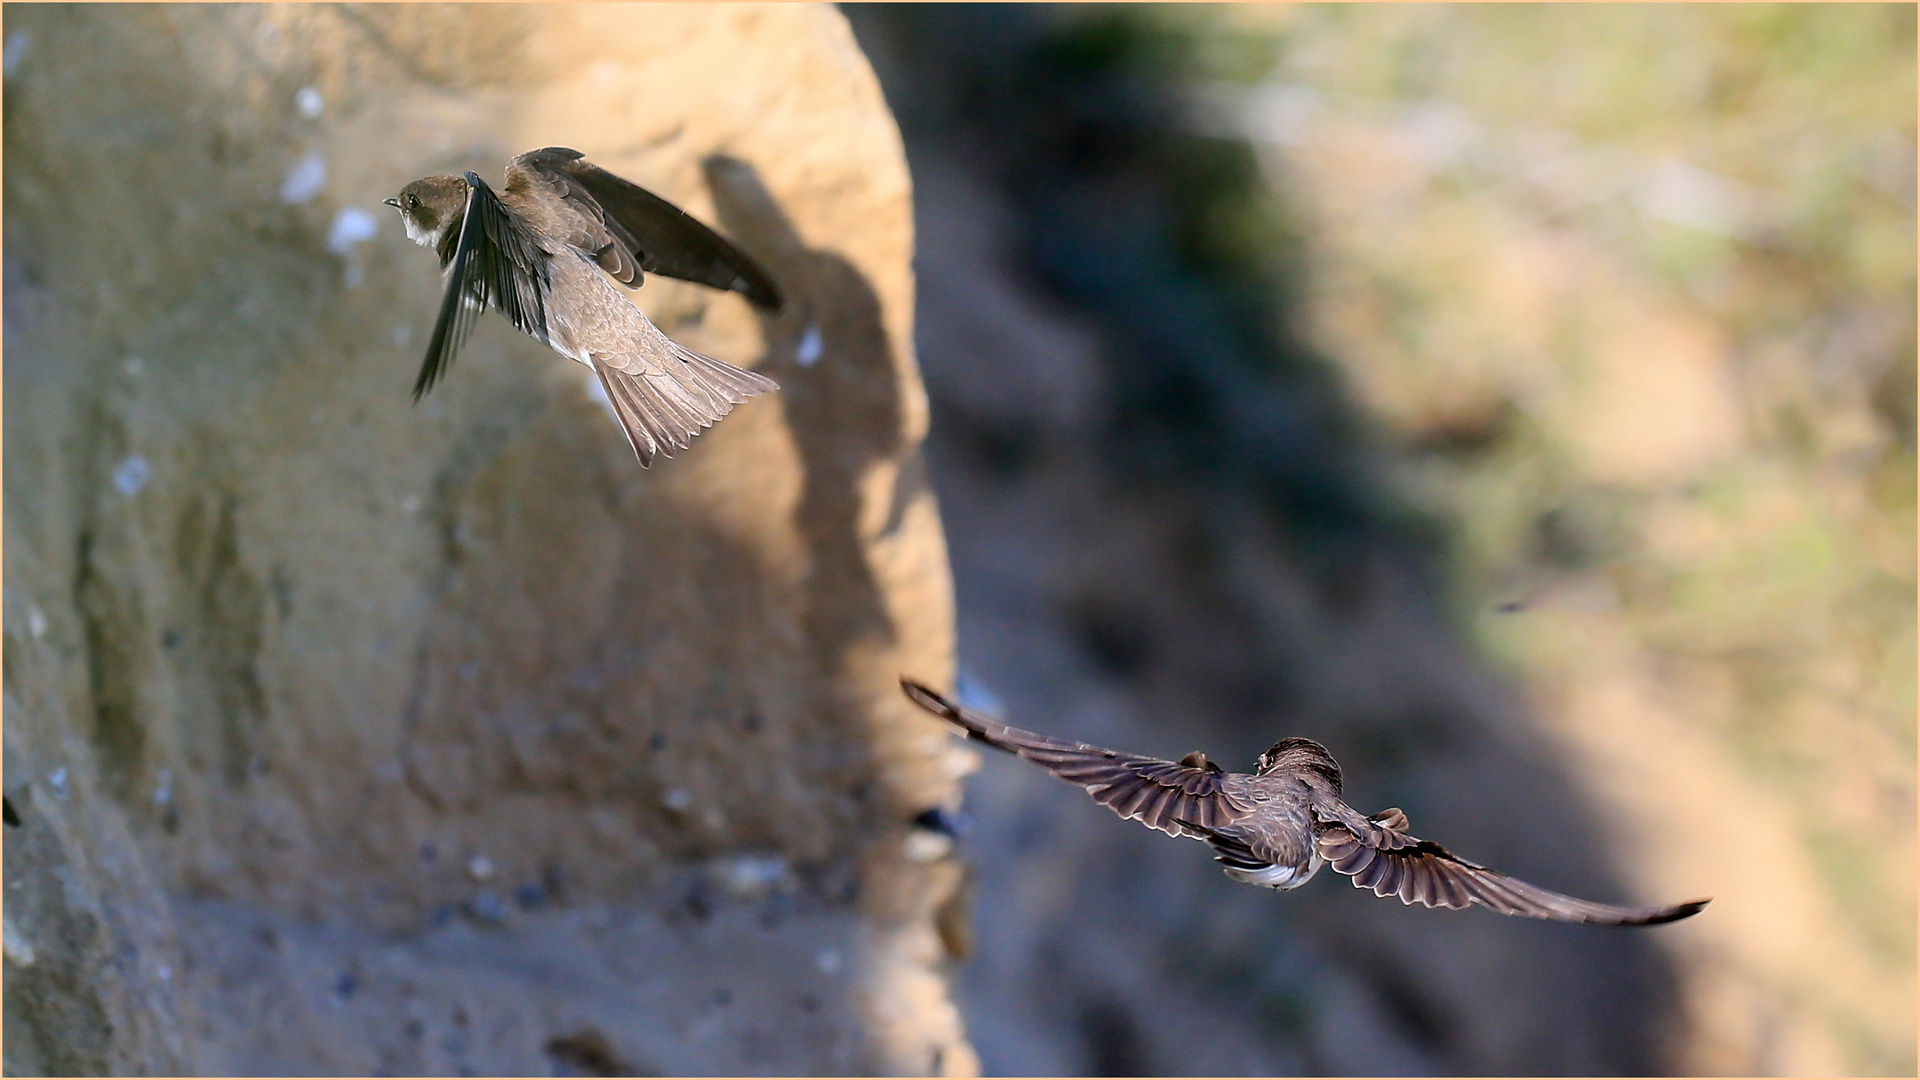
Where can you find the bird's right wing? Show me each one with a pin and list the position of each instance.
(664, 238)
(1391, 862)
(1171, 796)
(494, 263)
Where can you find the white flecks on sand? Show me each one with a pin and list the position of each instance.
(18, 949)
(17, 44)
(352, 227)
(309, 102)
(811, 346)
(924, 847)
(132, 474)
(752, 875)
(304, 180)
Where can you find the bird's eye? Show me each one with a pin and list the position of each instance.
(413, 201)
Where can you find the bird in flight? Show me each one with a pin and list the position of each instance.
(1278, 826)
(535, 252)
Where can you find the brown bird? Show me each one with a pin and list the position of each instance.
(536, 251)
(1278, 826)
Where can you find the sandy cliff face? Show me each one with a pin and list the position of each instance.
(352, 736)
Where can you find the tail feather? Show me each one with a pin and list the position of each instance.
(634, 418)
(723, 379)
(683, 410)
(663, 410)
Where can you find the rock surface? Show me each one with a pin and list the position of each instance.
(348, 736)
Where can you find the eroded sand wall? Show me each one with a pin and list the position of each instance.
(352, 736)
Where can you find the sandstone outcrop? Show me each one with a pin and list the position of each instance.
(351, 736)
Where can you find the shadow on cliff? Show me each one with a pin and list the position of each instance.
(829, 351)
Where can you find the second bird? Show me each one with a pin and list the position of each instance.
(1278, 826)
(536, 252)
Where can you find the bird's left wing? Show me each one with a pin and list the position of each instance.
(1391, 862)
(1171, 796)
(494, 262)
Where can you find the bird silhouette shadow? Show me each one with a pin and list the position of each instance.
(830, 351)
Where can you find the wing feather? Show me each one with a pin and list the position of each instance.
(662, 237)
(1422, 872)
(1164, 795)
(495, 263)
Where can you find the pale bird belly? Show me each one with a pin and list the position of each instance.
(565, 337)
(587, 314)
(1277, 877)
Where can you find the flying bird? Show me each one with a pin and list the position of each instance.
(1280, 825)
(536, 252)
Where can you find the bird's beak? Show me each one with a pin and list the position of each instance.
(395, 203)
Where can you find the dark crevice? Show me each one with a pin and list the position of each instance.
(223, 642)
(587, 1052)
(112, 667)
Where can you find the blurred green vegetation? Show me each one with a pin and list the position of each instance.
(1533, 235)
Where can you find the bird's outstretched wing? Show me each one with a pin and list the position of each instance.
(1171, 796)
(662, 237)
(493, 262)
(1392, 862)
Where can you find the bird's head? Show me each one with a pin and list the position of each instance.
(430, 206)
(1300, 755)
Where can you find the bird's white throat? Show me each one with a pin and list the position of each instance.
(421, 236)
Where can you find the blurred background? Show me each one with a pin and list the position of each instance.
(1519, 400)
